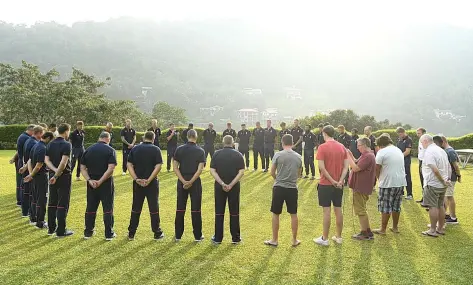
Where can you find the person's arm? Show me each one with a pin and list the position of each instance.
(407, 152)
(325, 173)
(378, 170)
(62, 165)
(298, 141)
(30, 167)
(352, 162)
(131, 170)
(14, 158)
(344, 173)
(178, 172)
(124, 141)
(84, 172)
(457, 170)
(107, 174)
(157, 169)
(197, 173)
(273, 170)
(134, 139)
(49, 164)
(217, 178)
(436, 171)
(170, 136)
(237, 178)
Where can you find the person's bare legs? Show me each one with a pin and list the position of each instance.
(450, 203)
(434, 218)
(441, 219)
(384, 224)
(295, 227)
(275, 228)
(326, 223)
(339, 220)
(396, 221)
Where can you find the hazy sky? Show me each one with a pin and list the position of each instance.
(276, 14)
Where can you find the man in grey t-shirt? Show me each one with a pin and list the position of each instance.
(286, 169)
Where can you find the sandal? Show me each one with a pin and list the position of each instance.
(440, 233)
(270, 243)
(378, 232)
(298, 242)
(394, 231)
(428, 233)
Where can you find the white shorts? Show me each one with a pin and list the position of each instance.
(450, 190)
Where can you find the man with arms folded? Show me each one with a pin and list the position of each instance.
(392, 180)
(333, 165)
(286, 169)
(363, 173)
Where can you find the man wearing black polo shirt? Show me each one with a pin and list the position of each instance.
(188, 163)
(243, 138)
(77, 141)
(171, 137)
(343, 137)
(209, 140)
(320, 135)
(258, 146)
(227, 168)
(144, 164)
(109, 129)
(157, 131)
(368, 133)
(18, 160)
(39, 177)
(297, 134)
(405, 145)
(184, 132)
(229, 131)
(26, 207)
(282, 132)
(128, 136)
(97, 167)
(309, 139)
(57, 157)
(270, 135)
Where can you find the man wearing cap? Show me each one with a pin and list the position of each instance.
(243, 138)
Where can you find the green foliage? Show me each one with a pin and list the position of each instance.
(166, 114)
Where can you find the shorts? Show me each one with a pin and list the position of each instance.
(328, 195)
(359, 203)
(281, 195)
(450, 189)
(389, 199)
(434, 197)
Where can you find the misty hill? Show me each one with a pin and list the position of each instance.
(421, 76)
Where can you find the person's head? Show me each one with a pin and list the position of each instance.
(190, 126)
(341, 129)
(287, 141)
(29, 129)
(104, 137)
(354, 131)
(171, 126)
(243, 126)
(128, 123)
(401, 132)
(80, 125)
(368, 131)
(363, 145)
(327, 124)
(47, 137)
(426, 140)
(438, 141)
(149, 137)
(308, 128)
(321, 127)
(229, 125)
(283, 125)
(420, 132)
(45, 127)
(296, 123)
(154, 123)
(383, 141)
(328, 132)
(258, 125)
(38, 132)
(268, 123)
(109, 126)
(64, 130)
(192, 136)
(228, 141)
(211, 126)
(52, 127)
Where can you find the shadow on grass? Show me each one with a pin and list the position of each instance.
(320, 269)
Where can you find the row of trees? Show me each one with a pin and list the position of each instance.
(28, 95)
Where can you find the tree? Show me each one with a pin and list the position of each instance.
(166, 114)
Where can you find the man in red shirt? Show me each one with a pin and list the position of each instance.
(361, 180)
(333, 166)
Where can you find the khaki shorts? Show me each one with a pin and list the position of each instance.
(359, 203)
(450, 190)
(434, 197)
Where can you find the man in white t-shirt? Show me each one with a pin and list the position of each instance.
(420, 156)
(436, 171)
(391, 176)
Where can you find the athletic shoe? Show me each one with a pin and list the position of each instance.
(50, 233)
(447, 217)
(321, 241)
(265, 170)
(78, 179)
(312, 178)
(25, 216)
(409, 197)
(452, 221)
(337, 239)
(177, 240)
(124, 173)
(158, 236)
(424, 206)
(420, 201)
(89, 235)
(66, 234)
(111, 238)
(214, 241)
(131, 236)
(305, 177)
(32, 223)
(199, 239)
(18, 204)
(236, 241)
(43, 226)
(361, 236)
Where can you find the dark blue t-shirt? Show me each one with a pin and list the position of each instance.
(20, 144)
(144, 158)
(38, 153)
(97, 158)
(58, 148)
(452, 158)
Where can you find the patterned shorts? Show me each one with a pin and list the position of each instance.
(389, 199)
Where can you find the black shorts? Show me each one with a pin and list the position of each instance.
(281, 195)
(328, 195)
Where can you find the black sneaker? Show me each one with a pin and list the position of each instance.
(451, 221)
(66, 234)
(18, 204)
(89, 235)
(199, 239)
(214, 241)
(41, 225)
(131, 236)
(447, 216)
(50, 233)
(265, 170)
(236, 241)
(159, 236)
(110, 238)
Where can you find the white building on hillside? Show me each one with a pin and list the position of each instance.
(252, 92)
(248, 116)
(293, 93)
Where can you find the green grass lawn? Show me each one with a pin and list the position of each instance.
(29, 256)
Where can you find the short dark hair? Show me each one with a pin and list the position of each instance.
(43, 125)
(329, 130)
(384, 140)
(341, 127)
(191, 125)
(63, 128)
(422, 130)
(243, 125)
(400, 130)
(282, 124)
(52, 125)
(326, 124)
(287, 140)
(81, 123)
(149, 136)
(48, 135)
(354, 131)
(321, 125)
(438, 140)
(171, 124)
(310, 127)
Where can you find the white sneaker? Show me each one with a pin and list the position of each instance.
(409, 197)
(78, 179)
(124, 173)
(321, 241)
(337, 240)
